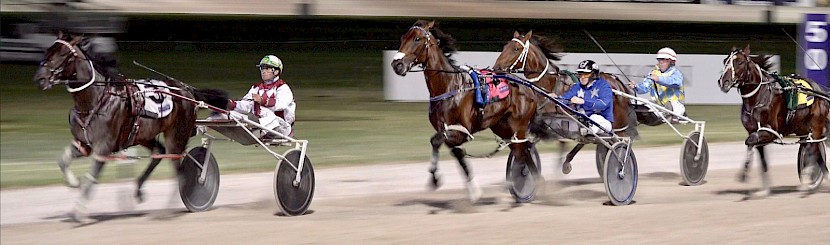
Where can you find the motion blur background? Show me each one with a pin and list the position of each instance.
(332, 50)
(638, 26)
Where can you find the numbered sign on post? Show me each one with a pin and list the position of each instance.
(813, 59)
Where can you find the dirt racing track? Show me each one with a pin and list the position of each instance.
(388, 204)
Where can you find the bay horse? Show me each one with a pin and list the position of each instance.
(103, 120)
(452, 112)
(534, 56)
(764, 115)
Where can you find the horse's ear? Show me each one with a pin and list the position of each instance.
(529, 34)
(430, 25)
(76, 38)
(746, 50)
(516, 34)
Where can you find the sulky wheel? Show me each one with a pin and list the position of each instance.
(804, 161)
(694, 170)
(620, 175)
(198, 195)
(293, 199)
(602, 151)
(521, 177)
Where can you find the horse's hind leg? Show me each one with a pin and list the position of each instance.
(155, 148)
(435, 178)
(566, 165)
(80, 213)
(70, 152)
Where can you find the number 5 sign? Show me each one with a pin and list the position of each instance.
(813, 59)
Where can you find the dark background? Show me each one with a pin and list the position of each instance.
(250, 33)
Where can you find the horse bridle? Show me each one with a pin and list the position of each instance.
(523, 58)
(418, 52)
(730, 61)
(57, 71)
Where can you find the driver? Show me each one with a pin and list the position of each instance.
(592, 96)
(665, 83)
(271, 100)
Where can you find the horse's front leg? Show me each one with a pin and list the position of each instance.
(435, 178)
(155, 148)
(70, 152)
(454, 140)
(765, 179)
(742, 175)
(80, 212)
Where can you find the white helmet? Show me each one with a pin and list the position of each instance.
(667, 53)
(272, 61)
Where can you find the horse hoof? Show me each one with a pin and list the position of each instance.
(761, 193)
(741, 177)
(139, 196)
(473, 191)
(72, 181)
(567, 168)
(434, 184)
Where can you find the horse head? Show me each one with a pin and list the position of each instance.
(514, 54)
(59, 65)
(736, 69)
(414, 48)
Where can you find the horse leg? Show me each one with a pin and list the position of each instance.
(155, 148)
(743, 173)
(814, 163)
(473, 189)
(765, 179)
(566, 166)
(454, 140)
(435, 178)
(81, 213)
(70, 152)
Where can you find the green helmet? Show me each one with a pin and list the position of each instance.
(271, 60)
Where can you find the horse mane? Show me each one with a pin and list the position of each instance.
(763, 60)
(549, 46)
(445, 41)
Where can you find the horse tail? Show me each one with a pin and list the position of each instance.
(631, 130)
(215, 97)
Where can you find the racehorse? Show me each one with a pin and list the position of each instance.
(103, 120)
(764, 114)
(534, 55)
(452, 112)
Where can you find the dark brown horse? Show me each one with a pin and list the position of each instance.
(764, 115)
(452, 112)
(534, 55)
(103, 120)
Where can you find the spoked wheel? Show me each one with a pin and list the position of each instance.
(293, 199)
(804, 161)
(694, 169)
(620, 176)
(521, 178)
(602, 151)
(198, 195)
